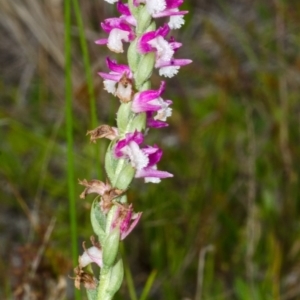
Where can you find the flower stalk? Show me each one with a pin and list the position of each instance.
(127, 157)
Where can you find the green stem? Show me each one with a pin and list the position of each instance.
(103, 285)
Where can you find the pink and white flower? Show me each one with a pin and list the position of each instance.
(171, 10)
(165, 8)
(126, 220)
(154, 41)
(125, 13)
(119, 31)
(113, 81)
(144, 160)
(153, 6)
(129, 148)
(171, 68)
(150, 172)
(91, 255)
(150, 101)
(154, 123)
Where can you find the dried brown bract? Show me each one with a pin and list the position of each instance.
(94, 186)
(87, 279)
(107, 198)
(103, 131)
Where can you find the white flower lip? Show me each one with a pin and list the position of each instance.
(91, 255)
(116, 38)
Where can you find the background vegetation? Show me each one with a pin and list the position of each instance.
(228, 225)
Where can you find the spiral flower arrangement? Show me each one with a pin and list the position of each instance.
(127, 157)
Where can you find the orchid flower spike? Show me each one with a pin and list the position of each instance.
(127, 157)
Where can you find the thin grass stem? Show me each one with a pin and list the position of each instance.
(148, 285)
(69, 135)
(128, 275)
(89, 77)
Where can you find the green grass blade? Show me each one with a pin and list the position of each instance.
(89, 77)
(69, 135)
(128, 275)
(148, 285)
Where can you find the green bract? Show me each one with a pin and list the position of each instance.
(98, 220)
(133, 56)
(111, 247)
(92, 294)
(125, 176)
(144, 70)
(143, 20)
(123, 116)
(110, 162)
(116, 276)
(138, 123)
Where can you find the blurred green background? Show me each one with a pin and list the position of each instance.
(227, 226)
